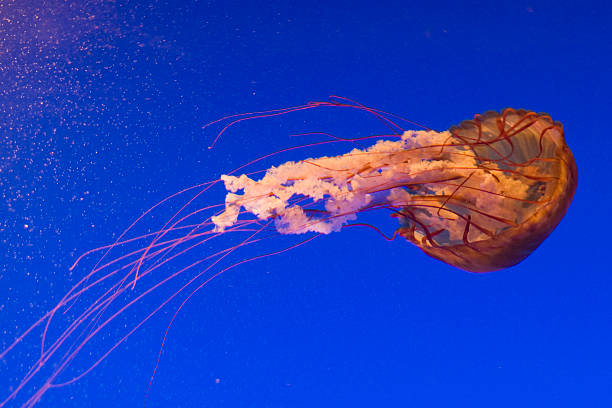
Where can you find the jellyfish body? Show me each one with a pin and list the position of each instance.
(480, 196)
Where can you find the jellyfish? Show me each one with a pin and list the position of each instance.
(480, 196)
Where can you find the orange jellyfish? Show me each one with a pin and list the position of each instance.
(480, 196)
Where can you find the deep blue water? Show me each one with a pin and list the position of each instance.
(102, 105)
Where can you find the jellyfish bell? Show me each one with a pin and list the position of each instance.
(481, 196)
(525, 180)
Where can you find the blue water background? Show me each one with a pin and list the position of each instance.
(102, 105)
